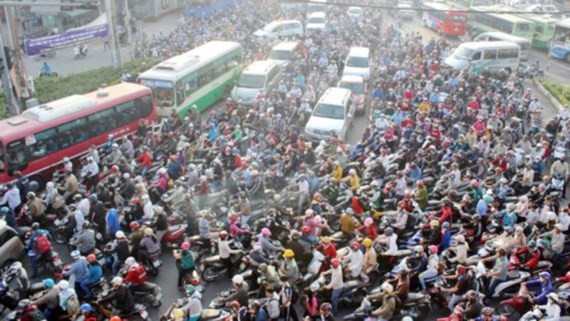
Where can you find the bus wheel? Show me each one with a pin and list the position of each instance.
(37, 183)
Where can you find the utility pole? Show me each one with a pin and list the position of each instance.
(13, 105)
(112, 21)
(127, 19)
(20, 72)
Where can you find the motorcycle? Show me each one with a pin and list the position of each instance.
(506, 288)
(153, 263)
(353, 292)
(80, 51)
(16, 277)
(213, 267)
(148, 294)
(207, 314)
(138, 312)
(51, 261)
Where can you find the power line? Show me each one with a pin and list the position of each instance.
(420, 9)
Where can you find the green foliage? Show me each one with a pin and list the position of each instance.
(560, 92)
(49, 89)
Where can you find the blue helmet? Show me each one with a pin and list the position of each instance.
(85, 307)
(545, 275)
(92, 197)
(48, 283)
(4, 209)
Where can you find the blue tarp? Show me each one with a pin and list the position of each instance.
(206, 12)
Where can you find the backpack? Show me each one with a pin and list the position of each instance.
(43, 244)
(73, 305)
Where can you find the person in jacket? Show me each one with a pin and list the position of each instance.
(432, 267)
(120, 249)
(354, 260)
(149, 245)
(49, 300)
(85, 240)
(545, 287)
(388, 307)
(79, 268)
(120, 297)
(161, 186)
(272, 304)
(240, 293)
(36, 208)
(185, 262)
(94, 275)
(113, 224)
(194, 306)
(336, 283)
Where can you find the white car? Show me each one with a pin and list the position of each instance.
(316, 21)
(282, 28)
(332, 114)
(354, 13)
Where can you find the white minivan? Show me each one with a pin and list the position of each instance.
(333, 112)
(261, 76)
(501, 36)
(357, 63)
(280, 28)
(284, 53)
(316, 22)
(491, 56)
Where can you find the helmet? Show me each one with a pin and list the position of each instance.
(91, 258)
(63, 285)
(223, 234)
(545, 275)
(145, 197)
(115, 318)
(134, 225)
(265, 231)
(309, 212)
(114, 169)
(162, 171)
(553, 296)
(115, 146)
(326, 240)
(85, 307)
(237, 279)
(126, 175)
(326, 306)
(117, 281)
(92, 197)
(262, 267)
(120, 234)
(318, 219)
(433, 249)
(185, 245)
(23, 304)
(288, 254)
(5, 209)
(387, 287)
(407, 194)
(420, 183)
(407, 319)
(314, 287)
(75, 254)
(474, 184)
(335, 262)
(305, 229)
(234, 304)
(368, 221)
(532, 244)
(355, 245)
(434, 223)
(48, 283)
(445, 225)
(31, 195)
(190, 289)
(130, 261)
(233, 217)
(488, 311)
(367, 242)
(35, 225)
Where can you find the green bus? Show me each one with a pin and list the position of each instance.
(482, 20)
(543, 29)
(466, 4)
(198, 77)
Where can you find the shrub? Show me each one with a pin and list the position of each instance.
(560, 92)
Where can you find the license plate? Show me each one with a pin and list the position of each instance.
(156, 263)
(144, 314)
(57, 262)
(159, 297)
(57, 222)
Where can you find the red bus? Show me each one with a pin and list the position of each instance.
(444, 19)
(36, 141)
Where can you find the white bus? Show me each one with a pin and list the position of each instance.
(524, 43)
(198, 77)
(491, 56)
(316, 6)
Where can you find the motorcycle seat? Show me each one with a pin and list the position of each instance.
(414, 297)
(513, 275)
(174, 228)
(212, 258)
(209, 314)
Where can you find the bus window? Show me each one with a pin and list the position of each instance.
(476, 56)
(508, 53)
(179, 94)
(490, 54)
(523, 27)
(190, 83)
(18, 156)
(2, 160)
(143, 106)
(43, 140)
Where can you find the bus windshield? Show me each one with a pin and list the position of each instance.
(463, 53)
(251, 81)
(162, 90)
(458, 18)
(361, 62)
(329, 111)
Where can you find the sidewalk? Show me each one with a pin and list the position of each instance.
(97, 57)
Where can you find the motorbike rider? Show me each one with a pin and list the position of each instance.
(552, 310)
(388, 308)
(325, 313)
(41, 249)
(401, 284)
(288, 267)
(225, 252)
(97, 214)
(545, 287)
(336, 283)
(79, 268)
(121, 297)
(240, 293)
(94, 275)
(49, 300)
(432, 267)
(84, 240)
(500, 270)
(265, 241)
(28, 312)
(36, 208)
(269, 272)
(120, 249)
(354, 260)
(149, 245)
(462, 285)
(193, 307)
(185, 262)
(87, 313)
(135, 276)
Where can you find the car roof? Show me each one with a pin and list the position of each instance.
(286, 45)
(352, 78)
(334, 95)
(259, 67)
(359, 52)
(318, 14)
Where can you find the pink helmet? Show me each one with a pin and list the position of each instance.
(433, 249)
(185, 246)
(368, 221)
(265, 231)
(318, 219)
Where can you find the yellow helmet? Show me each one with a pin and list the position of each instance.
(326, 240)
(177, 314)
(367, 242)
(288, 254)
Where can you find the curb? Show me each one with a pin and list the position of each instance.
(548, 95)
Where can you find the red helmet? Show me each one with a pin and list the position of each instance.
(475, 184)
(170, 134)
(233, 217)
(134, 225)
(223, 234)
(335, 262)
(407, 194)
(420, 183)
(136, 200)
(91, 258)
(355, 245)
(172, 157)
(114, 169)
(305, 229)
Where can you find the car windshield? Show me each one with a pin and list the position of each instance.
(269, 27)
(280, 54)
(329, 111)
(317, 20)
(463, 53)
(360, 62)
(162, 90)
(357, 88)
(354, 10)
(251, 81)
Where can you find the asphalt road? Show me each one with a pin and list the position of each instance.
(167, 278)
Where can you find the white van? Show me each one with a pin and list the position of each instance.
(332, 113)
(316, 6)
(281, 28)
(316, 22)
(284, 53)
(492, 56)
(261, 76)
(357, 63)
(524, 43)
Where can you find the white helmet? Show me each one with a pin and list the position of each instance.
(126, 175)
(130, 261)
(162, 171)
(118, 281)
(120, 234)
(63, 285)
(237, 279)
(145, 197)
